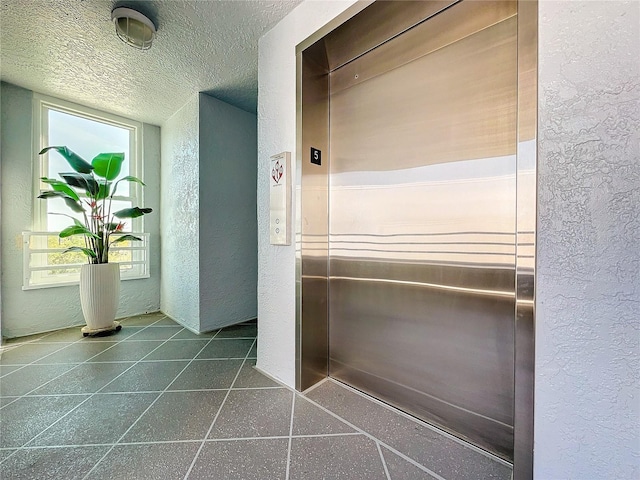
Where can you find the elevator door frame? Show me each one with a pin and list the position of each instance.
(313, 67)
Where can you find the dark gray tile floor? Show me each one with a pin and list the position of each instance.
(155, 401)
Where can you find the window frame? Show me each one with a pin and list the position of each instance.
(39, 168)
(41, 105)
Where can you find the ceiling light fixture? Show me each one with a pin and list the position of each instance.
(133, 28)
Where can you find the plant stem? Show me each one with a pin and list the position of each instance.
(109, 217)
(87, 241)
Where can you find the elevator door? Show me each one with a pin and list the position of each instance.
(422, 206)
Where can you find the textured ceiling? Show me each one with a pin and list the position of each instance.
(69, 49)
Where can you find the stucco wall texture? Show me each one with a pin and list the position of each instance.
(587, 398)
(41, 310)
(228, 231)
(209, 252)
(180, 187)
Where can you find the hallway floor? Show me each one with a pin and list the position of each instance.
(155, 401)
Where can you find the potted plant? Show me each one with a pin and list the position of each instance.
(89, 191)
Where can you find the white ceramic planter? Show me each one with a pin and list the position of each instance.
(100, 295)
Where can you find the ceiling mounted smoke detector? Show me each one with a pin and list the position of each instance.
(133, 28)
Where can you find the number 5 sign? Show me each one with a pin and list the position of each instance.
(280, 199)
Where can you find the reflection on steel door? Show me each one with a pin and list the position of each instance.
(422, 222)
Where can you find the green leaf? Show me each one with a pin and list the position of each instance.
(82, 180)
(131, 178)
(77, 230)
(86, 251)
(132, 212)
(128, 178)
(108, 165)
(78, 163)
(75, 220)
(111, 226)
(59, 186)
(124, 238)
(103, 190)
(71, 203)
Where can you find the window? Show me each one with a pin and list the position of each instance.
(87, 132)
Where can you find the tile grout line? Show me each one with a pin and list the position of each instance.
(82, 445)
(128, 339)
(55, 378)
(79, 341)
(293, 406)
(155, 391)
(367, 434)
(359, 430)
(149, 407)
(141, 361)
(283, 437)
(7, 347)
(68, 344)
(314, 386)
(228, 391)
(322, 435)
(41, 340)
(20, 367)
(422, 423)
(91, 395)
(37, 342)
(204, 441)
(193, 440)
(384, 463)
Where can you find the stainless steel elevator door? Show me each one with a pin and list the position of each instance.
(422, 206)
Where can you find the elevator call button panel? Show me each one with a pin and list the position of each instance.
(280, 198)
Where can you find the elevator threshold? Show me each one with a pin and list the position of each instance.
(407, 445)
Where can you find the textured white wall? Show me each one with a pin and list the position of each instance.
(1, 269)
(34, 311)
(587, 398)
(148, 289)
(179, 185)
(228, 229)
(277, 133)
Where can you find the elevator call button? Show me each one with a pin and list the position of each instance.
(280, 199)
